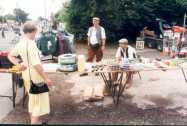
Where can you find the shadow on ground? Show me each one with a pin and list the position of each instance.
(64, 110)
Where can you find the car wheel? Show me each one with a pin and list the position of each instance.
(151, 44)
(159, 47)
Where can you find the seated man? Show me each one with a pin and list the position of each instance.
(125, 51)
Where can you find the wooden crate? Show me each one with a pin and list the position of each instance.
(140, 44)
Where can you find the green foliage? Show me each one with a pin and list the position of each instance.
(21, 16)
(2, 19)
(61, 15)
(10, 17)
(182, 2)
(120, 18)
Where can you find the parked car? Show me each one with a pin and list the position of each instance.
(155, 33)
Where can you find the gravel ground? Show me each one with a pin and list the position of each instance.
(158, 99)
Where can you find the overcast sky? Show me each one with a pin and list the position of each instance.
(35, 8)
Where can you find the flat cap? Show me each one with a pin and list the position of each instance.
(96, 18)
(123, 41)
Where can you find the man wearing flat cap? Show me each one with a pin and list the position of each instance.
(125, 51)
(128, 52)
(96, 41)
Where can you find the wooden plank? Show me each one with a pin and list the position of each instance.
(4, 71)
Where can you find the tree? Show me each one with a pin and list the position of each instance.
(21, 16)
(121, 18)
(182, 2)
(61, 15)
(2, 19)
(10, 17)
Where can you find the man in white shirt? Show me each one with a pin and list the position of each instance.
(96, 41)
(125, 51)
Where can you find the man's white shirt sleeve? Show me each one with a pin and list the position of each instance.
(118, 53)
(88, 34)
(103, 34)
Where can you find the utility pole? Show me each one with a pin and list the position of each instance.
(17, 16)
(45, 13)
(184, 26)
(45, 9)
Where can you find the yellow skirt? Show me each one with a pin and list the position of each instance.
(39, 104)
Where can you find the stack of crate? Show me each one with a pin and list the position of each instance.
(139, 43)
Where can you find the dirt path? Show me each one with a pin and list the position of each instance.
(159, 98)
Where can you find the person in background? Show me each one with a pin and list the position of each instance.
(125, 51)
(96, 41)
(3, 32)
(26, 48)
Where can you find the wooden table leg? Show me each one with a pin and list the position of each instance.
(24, 96)
(116, 93)
(139, 75)
(184, 74)
(112, 86)
(12, 97)
(105, 81)
(122, 87)
(14, 88)
(109, 84)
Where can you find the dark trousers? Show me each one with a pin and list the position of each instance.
(3, 34)
(92, 53)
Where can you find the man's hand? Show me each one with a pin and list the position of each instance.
(49, 83)
(103, 48)
(22, 67)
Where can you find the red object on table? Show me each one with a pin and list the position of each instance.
(178, 29)
(4, 62)
(4, 53)
(158, 65)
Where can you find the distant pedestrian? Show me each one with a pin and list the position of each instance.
(3, 32)
(96, 41)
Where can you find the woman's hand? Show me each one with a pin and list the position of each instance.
(49, 83)
(22, 67)
(118, 60)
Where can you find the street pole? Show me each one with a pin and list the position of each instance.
(18, 19)
(184, 26)
(45, 9)
(45, 13)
